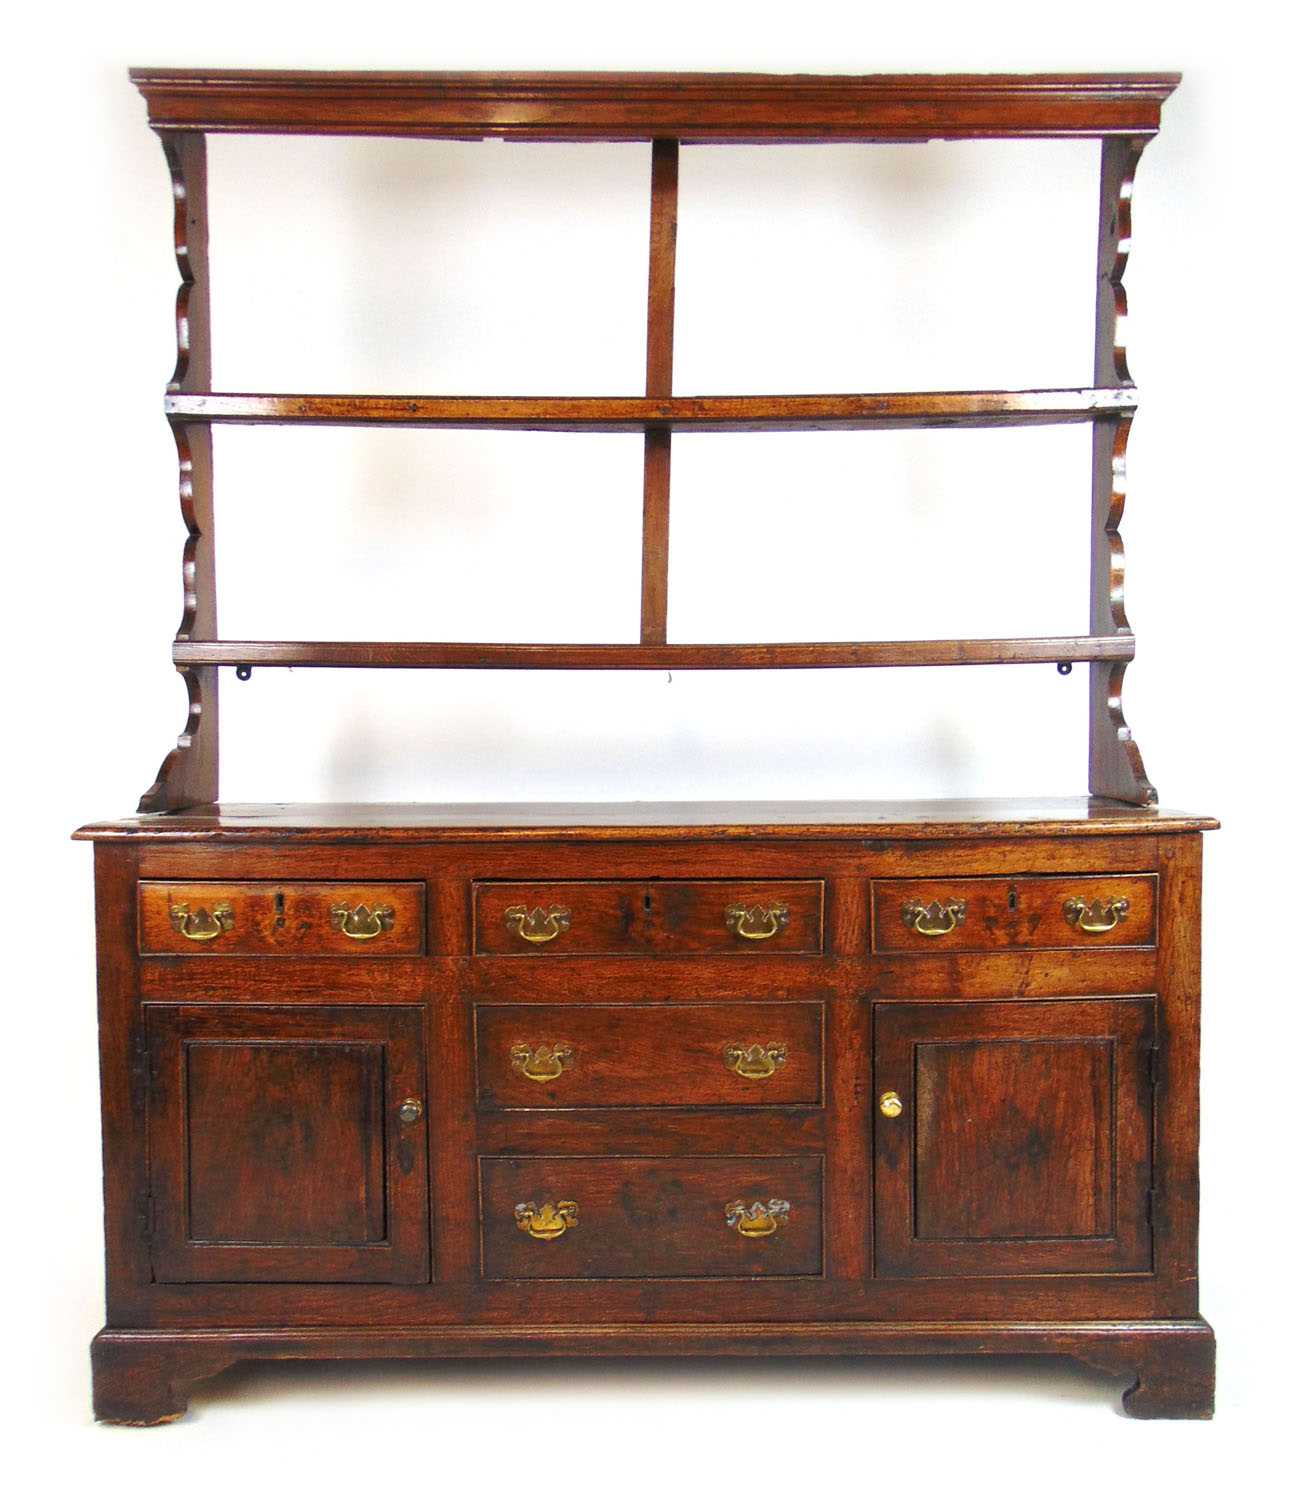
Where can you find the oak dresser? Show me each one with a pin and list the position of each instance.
(728, 1078)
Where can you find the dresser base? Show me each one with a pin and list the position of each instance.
(143, 1377)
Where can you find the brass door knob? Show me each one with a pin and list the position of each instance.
(889, 1104)
(410, 1111)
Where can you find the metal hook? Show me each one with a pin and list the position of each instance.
(243, 673)
(1063, 669)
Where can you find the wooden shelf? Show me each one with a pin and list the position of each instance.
(674, 413)
(689, 107)
(631, 657)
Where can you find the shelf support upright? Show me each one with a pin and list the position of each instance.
(1115, 767)
(660, 324)
(189, 775)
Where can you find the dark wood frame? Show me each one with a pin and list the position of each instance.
(160, 1338)
(668, 110)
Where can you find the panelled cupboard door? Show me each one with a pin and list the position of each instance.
(287, 1143)
(1012, 1138)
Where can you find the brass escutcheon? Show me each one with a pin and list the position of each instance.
(757, 923)
(935, 919)
(757, 1220)
(756, 1061)
(1095, 916)
(540, 1063)
(548, 1222)
(362, 923)
(538, 925)
(202, 926)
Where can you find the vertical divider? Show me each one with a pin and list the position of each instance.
(660, 325)
(1115, 767)
(189, 775)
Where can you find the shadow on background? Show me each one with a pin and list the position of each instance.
(1035, 1379)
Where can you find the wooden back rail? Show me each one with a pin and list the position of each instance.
(668, 110)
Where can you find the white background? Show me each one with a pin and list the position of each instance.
(504, 268)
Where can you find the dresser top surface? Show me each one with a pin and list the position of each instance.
(337, 822)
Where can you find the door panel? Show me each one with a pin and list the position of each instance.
(1035, 1163)
(1023, 1138)
(277, 1151)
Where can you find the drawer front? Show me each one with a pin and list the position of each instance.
(580, 1057)
(1058, 911)
(547, 1217)
(214, 917)
(554, 918)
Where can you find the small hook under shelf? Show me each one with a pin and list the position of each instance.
(1063, 669)
(243, 673)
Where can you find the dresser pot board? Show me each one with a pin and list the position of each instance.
(730, 1078)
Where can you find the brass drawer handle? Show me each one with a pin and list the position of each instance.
(890, 1104)
(935, 919)
(757, 923)
(548, 1222)
(362, 923)
(757, 1221)
(202, 926)
(410, 1111)
(538, 925)
(540, 1063)
(756, 1061)
(1095, 916)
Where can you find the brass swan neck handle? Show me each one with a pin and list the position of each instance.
(362, 922)
(756, 1060)
(547, 1222)
(936, 919)
(537, 925)
(541, 1063)
(1095, 916)
(757, 1220)
(202, 926)
(757, 923)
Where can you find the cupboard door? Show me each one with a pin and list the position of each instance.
(287, 1143)
(1012, 1138)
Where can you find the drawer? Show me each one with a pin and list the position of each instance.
(547, 1217)
(554, 918)
(602, 1056)
(253, 916)
(1058, 911)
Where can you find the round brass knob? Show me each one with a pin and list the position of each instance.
(410, 1111)
(889, 1104)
